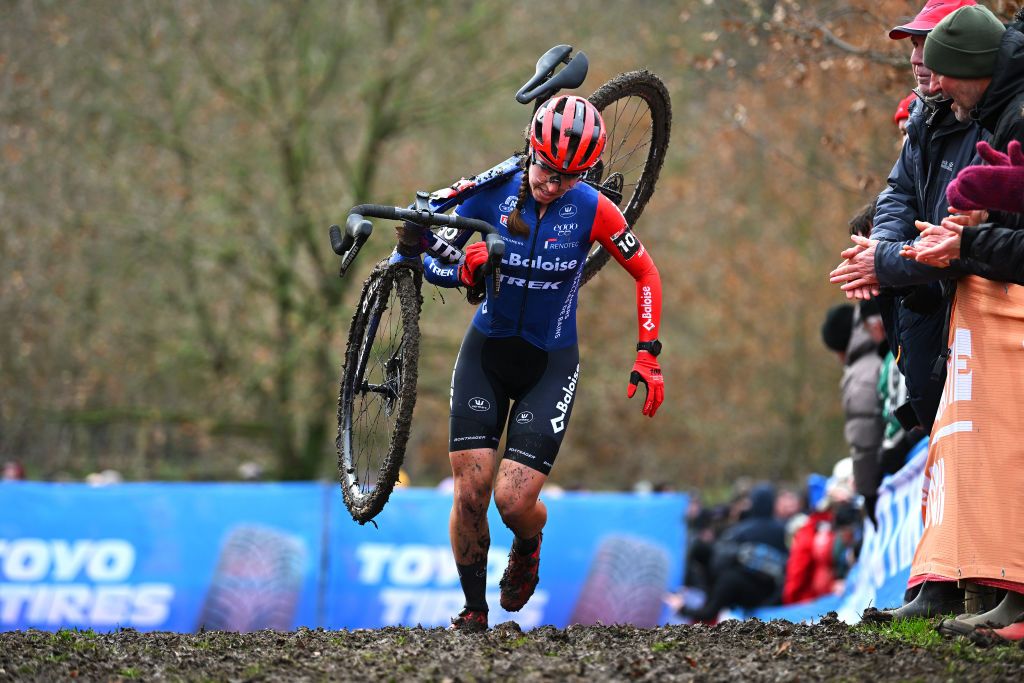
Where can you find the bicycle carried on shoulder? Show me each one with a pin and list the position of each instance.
(378, 381)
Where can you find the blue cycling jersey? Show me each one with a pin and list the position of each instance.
(540, 273)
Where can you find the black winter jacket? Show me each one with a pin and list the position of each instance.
(996, 250)
(912, 301)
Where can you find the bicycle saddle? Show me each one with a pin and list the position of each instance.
(543, 83)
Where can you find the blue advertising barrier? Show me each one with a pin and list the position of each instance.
(159, 556)
(879, 578)
(240, 557)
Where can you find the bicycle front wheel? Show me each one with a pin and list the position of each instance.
(637, 114)
(378, 389)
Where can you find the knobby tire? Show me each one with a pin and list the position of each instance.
(378, 388)
(637, 113)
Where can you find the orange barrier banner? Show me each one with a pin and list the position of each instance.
(973, 495)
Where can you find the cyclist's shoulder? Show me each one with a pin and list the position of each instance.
(498, 192)
(608, 219)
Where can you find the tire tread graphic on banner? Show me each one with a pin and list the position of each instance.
(626, 582)
(257, 582)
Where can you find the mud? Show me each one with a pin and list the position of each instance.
(731, 651)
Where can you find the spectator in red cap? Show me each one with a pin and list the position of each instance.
(912, 300)
(911, 297)
(930, 15)
(903, 113)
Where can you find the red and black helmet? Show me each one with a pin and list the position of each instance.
(568, 134)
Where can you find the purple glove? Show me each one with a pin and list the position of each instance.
(998, 185)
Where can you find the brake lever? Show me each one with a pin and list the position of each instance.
(495, 252)
(357, 231)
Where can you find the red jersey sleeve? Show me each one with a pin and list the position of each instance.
(611, 232)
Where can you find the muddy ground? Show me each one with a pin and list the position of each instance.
(731, 651)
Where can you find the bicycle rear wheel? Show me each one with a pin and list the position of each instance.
(378, 388)
(637, 113)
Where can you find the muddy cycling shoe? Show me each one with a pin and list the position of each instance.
(470, 621)
(934, 598)
(520, 578)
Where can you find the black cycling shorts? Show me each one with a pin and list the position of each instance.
(492, 373)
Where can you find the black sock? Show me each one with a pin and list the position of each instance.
(525, 546)
(473, 578)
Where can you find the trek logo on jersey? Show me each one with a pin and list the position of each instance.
(509, 205)
(558, 423)
(441, 272)
(480, 405)
(525, 417)
(529, 284)
(564, 229)
(540, 262)
(567, 211)
(627, 244)
(647, 308)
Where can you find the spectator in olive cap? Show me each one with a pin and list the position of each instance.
(980, 64)
(961, 52)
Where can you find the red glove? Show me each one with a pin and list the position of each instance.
(476, 256)
(647, 370)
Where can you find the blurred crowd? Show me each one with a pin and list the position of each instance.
(769, 545)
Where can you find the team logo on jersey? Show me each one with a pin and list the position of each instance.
(647, 308)
(553, 243)
(525, 417)
(504, 219)
(480, 405)
(564, 229)
(567, 211)
(568, 390)
(627, 244)
(509, 205)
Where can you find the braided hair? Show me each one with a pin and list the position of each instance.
(516, 224)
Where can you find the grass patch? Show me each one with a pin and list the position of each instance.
(663, 645)
(519, 642)
(203, 644)
(129, 672)
(64, 637)
(921, 633)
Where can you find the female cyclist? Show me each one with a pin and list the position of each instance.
(520, 351)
